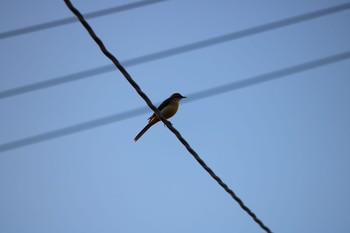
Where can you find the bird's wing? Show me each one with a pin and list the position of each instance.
(161, 106)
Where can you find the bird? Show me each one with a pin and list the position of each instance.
(167, 108)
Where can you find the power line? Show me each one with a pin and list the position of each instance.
(72, 129)
(191, 97)
(269, 76)
(175, 51)
(69, 20)
(164, 120)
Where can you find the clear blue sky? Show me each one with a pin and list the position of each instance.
(283, 145)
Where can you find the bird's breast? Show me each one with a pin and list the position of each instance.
(170, 110)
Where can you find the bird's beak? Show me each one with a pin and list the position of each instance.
(184, 97)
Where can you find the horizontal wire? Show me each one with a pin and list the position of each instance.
(175, 51)
(69, 20)
(191, 97)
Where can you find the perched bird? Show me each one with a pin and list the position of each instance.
(168, 109)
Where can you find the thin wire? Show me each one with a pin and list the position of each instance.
(65, 21)
(175, 51)
(255, 80)
(165, 121)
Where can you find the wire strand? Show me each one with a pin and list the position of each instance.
(65, 21)
(165, 121)
(176, 50)
(259, 79)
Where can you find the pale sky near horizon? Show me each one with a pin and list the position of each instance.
(282, 145)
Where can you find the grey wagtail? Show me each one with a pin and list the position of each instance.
(168, 109)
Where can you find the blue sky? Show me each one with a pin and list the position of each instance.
(281, 145)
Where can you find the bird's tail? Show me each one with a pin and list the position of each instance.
(143, 131)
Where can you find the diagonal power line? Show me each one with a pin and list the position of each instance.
(162, 118)
(175, 51)
(69, 20)
(259, 79)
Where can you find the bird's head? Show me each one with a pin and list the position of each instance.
(177, 96)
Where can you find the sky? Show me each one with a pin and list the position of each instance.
(68, 162)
